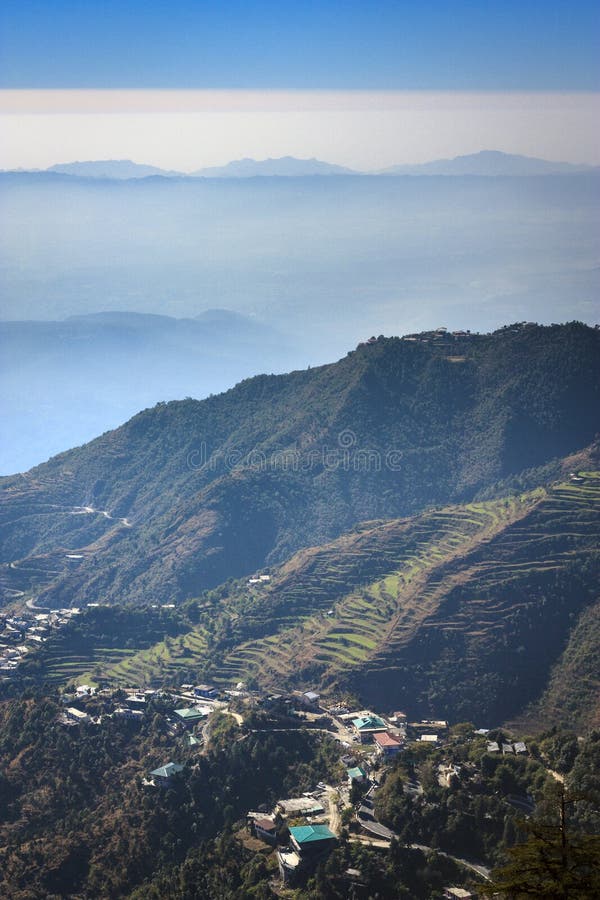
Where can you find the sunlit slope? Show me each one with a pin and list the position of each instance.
(488, 648)
(334, 608)
(461, 611)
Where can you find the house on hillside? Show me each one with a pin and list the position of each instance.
(386, 744)
(265, 829)
(308, 699)
(163, 774)
(399, 718)
(76, 715)
(358, 774)
(457, 893)
(137, 701)
(190, 716)
(123, 712)
(206, 691)
(309, 844)
(367, 726)
(300, 806)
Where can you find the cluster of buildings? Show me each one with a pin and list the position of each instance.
(258, 580)
(22, 634)
(192, 707)
(518, 747)
(301, 830)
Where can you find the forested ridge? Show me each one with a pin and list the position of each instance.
(188, 494)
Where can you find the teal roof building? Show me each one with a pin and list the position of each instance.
(304, 836)
(167, 770)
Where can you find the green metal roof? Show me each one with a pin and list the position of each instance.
(368, 722)
(167, 770)
(357, 772)
(189, 713)
(308, 834)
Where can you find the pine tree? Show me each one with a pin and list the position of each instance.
(552, 863)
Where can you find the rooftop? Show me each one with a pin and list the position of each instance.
(167, 770)
(190, 713)
(386, 740)
(304, 805)
(368, 722)
(309, 834)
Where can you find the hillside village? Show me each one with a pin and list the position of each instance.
(24, 632)
(301, 830)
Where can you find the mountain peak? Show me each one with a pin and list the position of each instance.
(491, 163)
(109, 168)
(283, 166)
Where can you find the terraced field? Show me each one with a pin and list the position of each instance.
(335, 628)
(159, 663)
(502, 615)
(62, 666)
(409, 602)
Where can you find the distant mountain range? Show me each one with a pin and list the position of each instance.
(491, 163)
(110, 168)
(285, 166)
(484, 163)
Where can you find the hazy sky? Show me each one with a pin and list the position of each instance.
(364, 129)
(191, 83)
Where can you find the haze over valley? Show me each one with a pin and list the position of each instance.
(303, 267)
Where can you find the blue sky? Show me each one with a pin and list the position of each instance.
(458, 45)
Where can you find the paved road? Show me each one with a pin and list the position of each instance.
(384, 837)
(335, 822)
(30, 604)
(380, 840)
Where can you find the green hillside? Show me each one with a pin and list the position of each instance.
(189, 494)
(481, 611)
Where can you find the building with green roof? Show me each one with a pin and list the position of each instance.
(161, 775)
(190, 716)
(367, 726)
(356, 774)
(310, 839)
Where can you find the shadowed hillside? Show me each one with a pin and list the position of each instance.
(189, 494)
